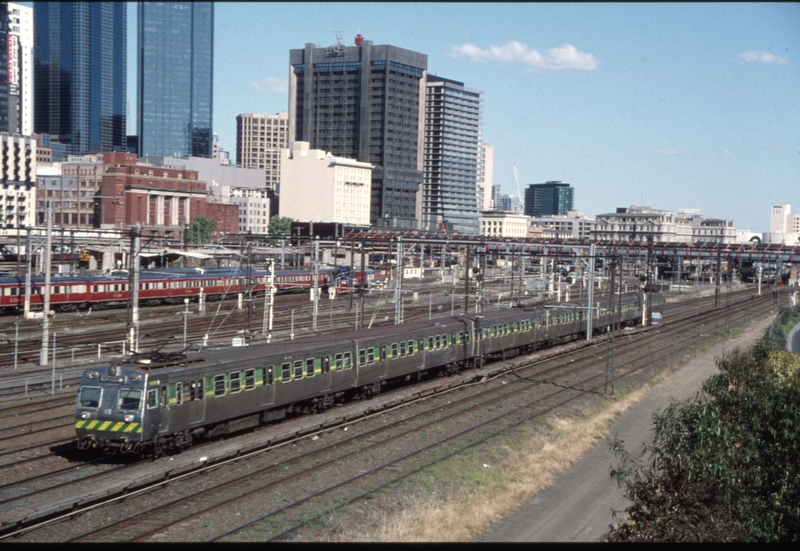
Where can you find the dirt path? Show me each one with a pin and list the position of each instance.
(577, 507)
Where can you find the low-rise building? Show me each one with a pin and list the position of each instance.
(647, 225)
(573, 225)
(318, 187)
(504, 224)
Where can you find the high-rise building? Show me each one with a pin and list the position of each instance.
(260, 141)
(365, 102)
(452, 151)
(549, 198)
(80, 57)
(175, 78)
(485, 177)
(16, 105)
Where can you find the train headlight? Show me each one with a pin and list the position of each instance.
(129, 418)
(85, 415)
(91, 375)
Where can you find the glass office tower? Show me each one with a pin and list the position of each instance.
(175, 78)
(550, 198)
(80, 57)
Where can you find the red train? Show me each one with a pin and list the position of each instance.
(169, 286)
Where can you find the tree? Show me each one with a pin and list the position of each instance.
(200, 230)
(280, 225)
(725, 466)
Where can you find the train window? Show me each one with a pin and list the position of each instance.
(178, 394)
(152, 398)
(298, 369)
(437, 342)
(90, 396)
(371, 355)
(348, 360)
(235, 384)
(402, 348)
(129, 399)
(163, 396)
(310, 367)
(393, 350)
(286, 372)
(338, 360)
(56, 289)
(362, 357)
(428, 343)
(268, 375)
(410, 348)
(249, 379)
(219, 385)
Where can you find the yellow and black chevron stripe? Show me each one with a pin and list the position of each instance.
(108, 426)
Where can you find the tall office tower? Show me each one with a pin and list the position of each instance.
(548, 198)
(16, 69)
(452, 151)
(79, 68)
(260, 141)
(175, 42)
(365, 102)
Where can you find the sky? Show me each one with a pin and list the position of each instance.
(673, 106)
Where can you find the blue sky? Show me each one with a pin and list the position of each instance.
(668, 105)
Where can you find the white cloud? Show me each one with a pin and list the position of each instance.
(763, 57)
(272, 85)
(565, 57)
(667, 151)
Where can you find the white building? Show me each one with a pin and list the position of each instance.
(20, 68)
(485, 177)
(253, 206)
(318, 187)
(784, 227)
(504, 224)
(17, 181)
(573, 225)
(260, 141)
(646, 225)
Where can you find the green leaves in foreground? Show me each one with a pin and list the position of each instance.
(724, 466)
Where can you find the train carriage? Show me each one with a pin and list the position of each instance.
(170, 286)
(148, 407)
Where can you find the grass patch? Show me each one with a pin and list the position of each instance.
(461, 496)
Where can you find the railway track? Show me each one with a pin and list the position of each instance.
(563, 378)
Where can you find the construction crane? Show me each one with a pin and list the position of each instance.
(519, 190)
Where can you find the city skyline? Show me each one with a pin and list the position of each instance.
(668, 105)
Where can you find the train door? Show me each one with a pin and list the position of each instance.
(268, 381)
(163, 410)
(383, 363)
(196, 403)
(326, 373)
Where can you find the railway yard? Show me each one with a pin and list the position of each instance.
(309, 477)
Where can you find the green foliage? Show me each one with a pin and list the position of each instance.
(200, 230)
(724, 466)
(280, 225)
